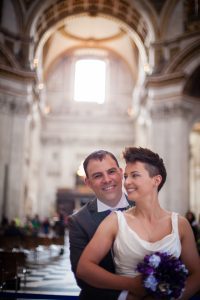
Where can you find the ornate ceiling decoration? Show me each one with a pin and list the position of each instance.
(118, 9)
(90, 29)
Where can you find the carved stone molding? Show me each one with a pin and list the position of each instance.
(63, 141)
(15, 48)
(16, 90)
(171, 110)
(18, 74)
(13, 105)
(155, 81)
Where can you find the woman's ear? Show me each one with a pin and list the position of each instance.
(157, 179)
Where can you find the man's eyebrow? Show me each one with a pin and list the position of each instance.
(96, 173)
(99, 173)
(113, 168)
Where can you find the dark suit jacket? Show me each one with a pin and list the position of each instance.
(82, 226)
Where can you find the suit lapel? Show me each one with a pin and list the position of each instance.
(97, 217)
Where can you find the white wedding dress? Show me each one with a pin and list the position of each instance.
(129, 249)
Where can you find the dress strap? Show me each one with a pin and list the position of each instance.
(119, 214)
(121, 219)
(174, 218)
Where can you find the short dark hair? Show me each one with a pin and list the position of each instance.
(153, 163)
(98, 155)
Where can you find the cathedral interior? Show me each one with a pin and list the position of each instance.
(82, 75)
(143, 90)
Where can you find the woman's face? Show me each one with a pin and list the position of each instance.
(137, 181)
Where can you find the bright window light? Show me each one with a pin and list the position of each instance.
(90, 77)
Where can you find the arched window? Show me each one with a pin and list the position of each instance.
(90, 80)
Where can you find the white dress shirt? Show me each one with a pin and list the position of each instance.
(121, 204)
(102, 207)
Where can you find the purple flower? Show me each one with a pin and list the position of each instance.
(163, 275)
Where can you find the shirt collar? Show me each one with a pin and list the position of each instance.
(121, 204)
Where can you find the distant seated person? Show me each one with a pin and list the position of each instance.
(4, 222)
(190, 216)
(13, 230)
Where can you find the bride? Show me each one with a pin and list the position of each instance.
(143, 229)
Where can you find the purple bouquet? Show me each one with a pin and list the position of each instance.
(163, 275)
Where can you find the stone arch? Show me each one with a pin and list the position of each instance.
(71, 51)
(166, 14)
(141, 25)
(7, 57)
(185, 61)
(17, 6)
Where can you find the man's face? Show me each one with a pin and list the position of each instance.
(105, 179)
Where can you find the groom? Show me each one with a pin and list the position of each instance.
(104, 177)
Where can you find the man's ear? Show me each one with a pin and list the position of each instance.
(87, 181)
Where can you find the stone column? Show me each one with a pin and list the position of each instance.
(16, 93)
(169, 136)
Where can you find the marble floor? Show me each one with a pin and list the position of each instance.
(48, 273)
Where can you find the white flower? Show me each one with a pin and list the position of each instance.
(183, 268)
(151, 283)
(154, 260)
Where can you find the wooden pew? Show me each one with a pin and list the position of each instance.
(11, 264)
(10, 242)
